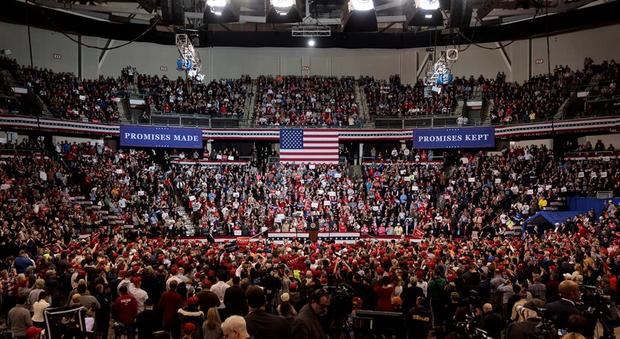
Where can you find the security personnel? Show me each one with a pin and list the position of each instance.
(419, 320)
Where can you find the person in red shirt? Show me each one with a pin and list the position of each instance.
(125, 310)
(384, 293)
(169, 304)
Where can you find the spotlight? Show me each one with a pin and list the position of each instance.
(423, 13)
(429, 5)
(283, 11)
(220, 11)
(361, 5)
(282, 6)
(311, 43)
(359, 16)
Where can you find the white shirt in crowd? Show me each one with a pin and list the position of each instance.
(219, 289)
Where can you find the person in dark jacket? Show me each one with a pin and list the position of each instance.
(307, 325)
(563, 308)
(148, 321)
(234, 299)
(22, 262)
(491, 322)
(419, 319)
(191, 314)
(260, 324)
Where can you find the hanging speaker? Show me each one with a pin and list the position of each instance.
(452, 54)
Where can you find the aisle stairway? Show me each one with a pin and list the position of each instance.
(362, 104)
(248, 111)
(186, 220)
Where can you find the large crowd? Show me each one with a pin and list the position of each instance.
(314, 100)
(133, 273)
(217, 98)
(394, 99)
(317, 100)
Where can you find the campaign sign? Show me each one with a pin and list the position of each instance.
(434, 138)
(160, 136)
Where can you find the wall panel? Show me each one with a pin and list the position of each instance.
(231, 62)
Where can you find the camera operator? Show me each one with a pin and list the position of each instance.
(529, 327)
(560, 310)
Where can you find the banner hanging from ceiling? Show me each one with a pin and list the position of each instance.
(441, 138)
(160, 136)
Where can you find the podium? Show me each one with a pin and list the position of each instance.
(313, 235)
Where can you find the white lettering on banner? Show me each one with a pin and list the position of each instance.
(453, 138)
(147, 136)
(185, 138)
(161, 137)
(476, 137)
(440, 138)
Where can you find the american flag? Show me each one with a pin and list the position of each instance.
(308, 146)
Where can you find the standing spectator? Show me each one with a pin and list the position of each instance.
(18, 318)
(148, 321)
(491, 322)
(22, 262)
(506, 290)
(562, 309)
(102, 316)
(234, 328)
(260, 324)
(308, 325)
(285, 308)
(212, 327)
(125, 310)
(384, 293)
(169, 304)
(38, 308)
(537, 288)
(438, 296)
(192, 314)
(419, 319)
(234, 299)
(529, 326)
(220, 287)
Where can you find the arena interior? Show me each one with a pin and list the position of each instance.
(266, 169)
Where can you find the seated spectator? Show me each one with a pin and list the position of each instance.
(317, 101)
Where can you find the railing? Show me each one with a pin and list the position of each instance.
(420, 122)
(193, 120)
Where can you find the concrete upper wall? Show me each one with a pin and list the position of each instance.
(53, 50)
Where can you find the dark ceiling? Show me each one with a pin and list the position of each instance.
(105, 20)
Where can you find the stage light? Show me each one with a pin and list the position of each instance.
(429, 5)
(418, 16)
(359, 16)
(284, 11)
(361, 5)
(282, 7)
(220, 11)
(311, 43)
(216, 6)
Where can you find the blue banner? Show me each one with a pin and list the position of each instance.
(471, 137)
(160, 136)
